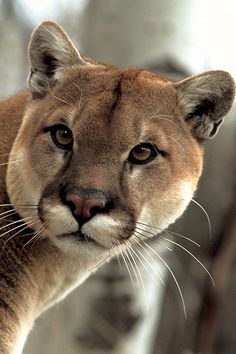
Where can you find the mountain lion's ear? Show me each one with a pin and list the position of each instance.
(50, 51)
(205, 99)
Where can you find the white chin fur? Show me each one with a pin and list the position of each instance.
(103, 229)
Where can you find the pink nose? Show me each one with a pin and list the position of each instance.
(84, 209)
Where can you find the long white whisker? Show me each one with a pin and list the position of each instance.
(59, 98)
(17, 227)
(164, 117)
(40, 234)
(29, 206)
(9, 162)
(101, 262)
(81, 93)
(131, 264)
(8, 213)
(172, 274)
(133, 267)
(146, 237)
(13, 223)
(179, 145)
(150, 265)
(19, 231)
(145, 267)
(206, 214)
(6, 154)
(192, 255)
(117, 254)
(126, 265)
(169, 232)
(139, 274)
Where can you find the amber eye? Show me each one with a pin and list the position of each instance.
(142, 154)
(62, 136)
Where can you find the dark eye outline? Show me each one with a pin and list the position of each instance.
(154, 152)
(54, 129)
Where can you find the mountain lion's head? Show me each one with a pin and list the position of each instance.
(102, 149)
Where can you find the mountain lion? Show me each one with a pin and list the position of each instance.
(91, 156)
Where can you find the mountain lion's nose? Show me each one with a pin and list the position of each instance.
(84, 209)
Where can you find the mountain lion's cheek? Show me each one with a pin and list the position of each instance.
(162, 210)
(23, 186)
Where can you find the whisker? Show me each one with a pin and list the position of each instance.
(81, 93)
(19, 205)
(169, 232)
(159, 274)
(14, 222)
(59, 98)
(179, 145)
(40, 234)
(7, 214)
(171, 272)
(166, 118)
(150, 265)
(126, 265)
(141, 234)
(7, 154)
(206, 214)
(16, 233)
(133, 267)
(192, 255)
(100, 263)
(14, 228)
(117, 254)
(9, 162)
(139, 274)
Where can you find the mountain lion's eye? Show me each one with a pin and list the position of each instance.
(62, 136)
(142, 154)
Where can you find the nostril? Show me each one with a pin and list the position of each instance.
(82, 208)
(95, 209)
(71, 206)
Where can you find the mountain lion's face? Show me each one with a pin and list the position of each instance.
(101, 150)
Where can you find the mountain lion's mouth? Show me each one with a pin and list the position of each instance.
(81, 237)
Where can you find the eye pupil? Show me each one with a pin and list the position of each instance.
(142, 154)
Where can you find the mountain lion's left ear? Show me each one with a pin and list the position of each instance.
(205, 100)
(50, 52)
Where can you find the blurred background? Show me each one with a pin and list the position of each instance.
(106, 315)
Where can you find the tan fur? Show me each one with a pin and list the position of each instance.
(109, 110)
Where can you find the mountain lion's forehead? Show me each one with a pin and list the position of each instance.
(106, 82)
(112, 95)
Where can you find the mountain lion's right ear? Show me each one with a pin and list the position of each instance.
(50, 51)
(205, 100)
